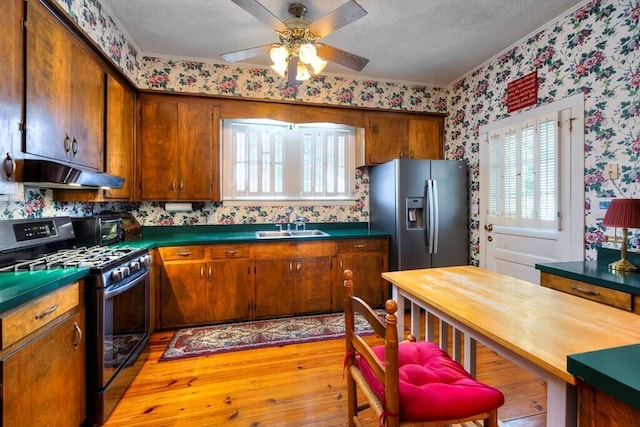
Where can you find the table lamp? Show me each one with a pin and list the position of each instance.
(623, 213)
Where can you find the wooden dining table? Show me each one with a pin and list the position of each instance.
(533, 326)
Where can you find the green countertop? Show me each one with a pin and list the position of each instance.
(18, 288)
(21, 287)
(614, 371)
(245, 233)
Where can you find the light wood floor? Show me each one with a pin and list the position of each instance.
(293, 385)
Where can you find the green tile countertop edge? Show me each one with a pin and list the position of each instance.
(154, 236)
(18, 288)
(597, 272)
(613, 371)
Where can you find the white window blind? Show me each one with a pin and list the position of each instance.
(523, 177)
(269, 160)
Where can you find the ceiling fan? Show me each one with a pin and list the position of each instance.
(299, 51)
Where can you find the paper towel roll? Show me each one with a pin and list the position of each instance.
(178, 207)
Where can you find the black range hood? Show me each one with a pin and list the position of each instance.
(49, 174)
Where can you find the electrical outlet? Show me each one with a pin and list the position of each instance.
(611, 171)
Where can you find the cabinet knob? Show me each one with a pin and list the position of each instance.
(74, 146)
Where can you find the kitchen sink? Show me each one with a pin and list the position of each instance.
(289, 233)
(307, 233)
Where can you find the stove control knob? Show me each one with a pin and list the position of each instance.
(117, 275)
(134, 265)
(145, 260)
(126, 271)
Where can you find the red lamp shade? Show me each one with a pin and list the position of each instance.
(623, 213)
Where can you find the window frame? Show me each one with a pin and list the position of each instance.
(293, 152)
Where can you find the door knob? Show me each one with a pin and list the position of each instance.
(489, 238)
(488, 227)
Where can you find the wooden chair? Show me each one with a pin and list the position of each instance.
(408, 383)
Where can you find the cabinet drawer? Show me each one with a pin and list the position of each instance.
(230, 251)
(182, 252)
(597, 293)
(359, 245)
(19, 322)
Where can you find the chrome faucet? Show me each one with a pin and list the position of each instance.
(300, 222)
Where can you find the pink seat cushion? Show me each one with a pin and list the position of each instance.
(432, 385)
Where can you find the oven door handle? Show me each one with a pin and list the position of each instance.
(113, 291)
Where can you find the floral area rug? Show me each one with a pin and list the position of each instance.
(206, 340)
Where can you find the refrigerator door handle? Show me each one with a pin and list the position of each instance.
(436, 217)
(429, 215)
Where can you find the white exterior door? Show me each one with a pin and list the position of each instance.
(514, 249)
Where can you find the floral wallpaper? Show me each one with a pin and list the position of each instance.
(594, 49)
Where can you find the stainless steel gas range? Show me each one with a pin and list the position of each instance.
(117, 294)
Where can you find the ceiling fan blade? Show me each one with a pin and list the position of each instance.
(262, 13)
(342, 57)
(337, 18)
(292, 71)
(239, 55)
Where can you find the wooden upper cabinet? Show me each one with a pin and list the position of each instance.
(120, 137)
(384, 135)
(396, 135)
(64, 93)
(425, 138)
(178, 149)
(11, 70)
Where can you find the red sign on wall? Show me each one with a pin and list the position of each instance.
(522, 92)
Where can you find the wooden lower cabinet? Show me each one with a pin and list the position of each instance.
(597, 408)
(183, 300)
(229, 292)
(204, 284)
(367, 259)
(293, 278)
(43, 374)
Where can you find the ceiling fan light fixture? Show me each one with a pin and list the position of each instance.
(318, 64)
(280, 68)
(303, 73)
(307, 53)
(279, 54)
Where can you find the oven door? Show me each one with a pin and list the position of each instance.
(122, 325)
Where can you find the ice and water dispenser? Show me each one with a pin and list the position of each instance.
(415, 213)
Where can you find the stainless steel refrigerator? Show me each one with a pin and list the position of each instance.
(423, 205)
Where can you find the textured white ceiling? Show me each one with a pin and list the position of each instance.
(425, 41)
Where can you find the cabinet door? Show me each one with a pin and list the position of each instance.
(425, 138)
(86, 108)
(43, 384)
(367, 268)
(183, 299)
(159, 149)
(385, 138)
(274, 293)
(48, 65)
(120, 142)
(312, 284)
(11, 85)
(230, 290)
(195, 136)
